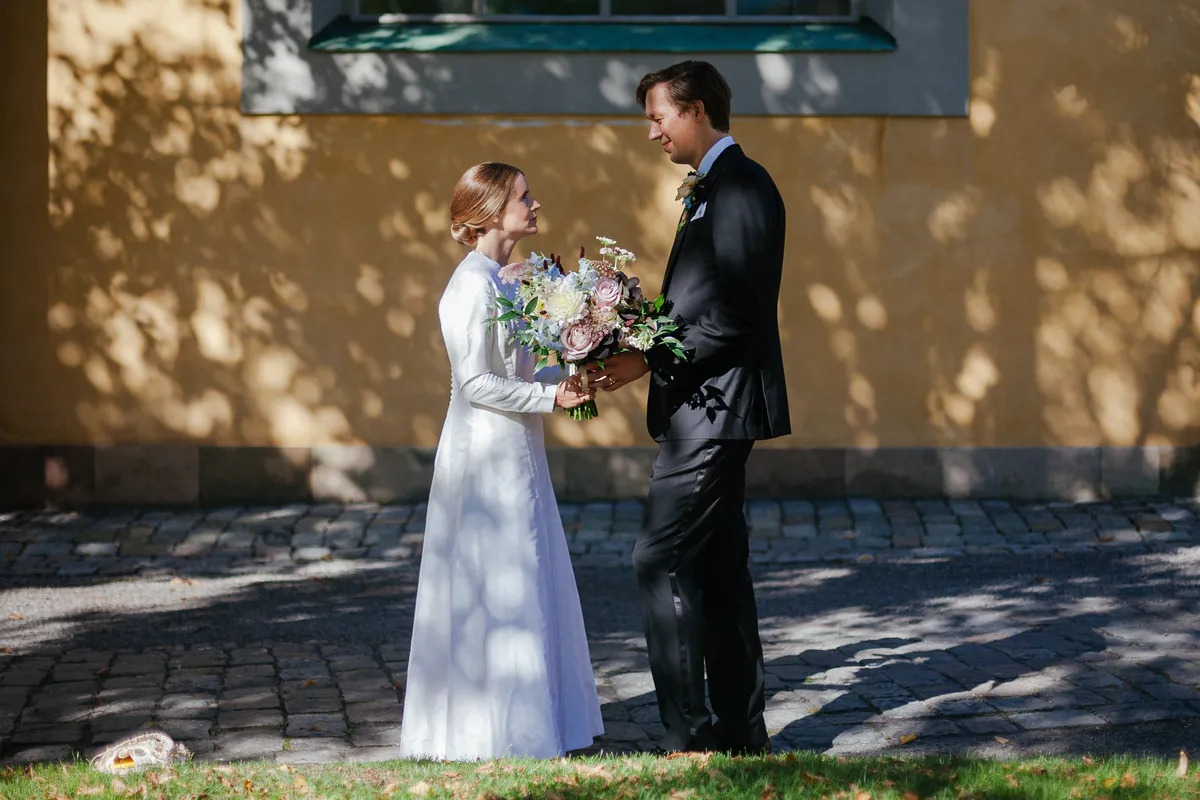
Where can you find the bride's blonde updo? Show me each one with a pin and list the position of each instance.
(479, 197)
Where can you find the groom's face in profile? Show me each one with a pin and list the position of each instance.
(679, 131)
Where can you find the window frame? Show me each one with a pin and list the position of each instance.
(730, 17)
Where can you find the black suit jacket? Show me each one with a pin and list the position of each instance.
(722, 282)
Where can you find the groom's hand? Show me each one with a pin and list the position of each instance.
(618, 370)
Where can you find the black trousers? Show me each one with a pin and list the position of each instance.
(692, 562)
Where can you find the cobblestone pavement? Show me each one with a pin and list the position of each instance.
(132, 542)
(1043, 642)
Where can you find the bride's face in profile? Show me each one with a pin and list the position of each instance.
(520, 213)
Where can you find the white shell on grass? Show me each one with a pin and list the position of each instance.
(150, 749)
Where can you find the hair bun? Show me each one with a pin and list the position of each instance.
(464, 234)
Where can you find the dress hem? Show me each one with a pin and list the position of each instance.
(423, 756)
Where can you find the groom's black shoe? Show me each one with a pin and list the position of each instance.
(741, 742)
(701, 741)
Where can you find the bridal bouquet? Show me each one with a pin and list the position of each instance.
(585, 315)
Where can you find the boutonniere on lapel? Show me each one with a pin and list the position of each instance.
(687, 193)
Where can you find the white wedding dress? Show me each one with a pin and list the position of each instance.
(499, 664)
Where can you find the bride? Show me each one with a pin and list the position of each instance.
(499, 663)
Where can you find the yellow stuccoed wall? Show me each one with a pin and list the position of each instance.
(177, 272)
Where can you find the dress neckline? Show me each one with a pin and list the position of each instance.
(495, 265)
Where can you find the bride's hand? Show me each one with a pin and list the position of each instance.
(571, 393)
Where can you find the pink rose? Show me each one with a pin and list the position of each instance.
(608, 292)
(579, 339)
(514, 273)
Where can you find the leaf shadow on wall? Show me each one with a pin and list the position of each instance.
(1024, 277)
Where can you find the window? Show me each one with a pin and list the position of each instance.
(782, 57)
(725, 11)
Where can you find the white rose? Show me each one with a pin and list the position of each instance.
(566, 305)
(642, 340)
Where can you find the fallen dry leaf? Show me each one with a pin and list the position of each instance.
(1000, 739)
(1128, 780)
(680, 794)
(1181, 768)
(862, 796)
(89, 790)
(911, 796)
(119, 786)
(17, 617)
(1012, 781)
(158, 779)
(908, 738)
(1088, 760)
(592, 770)
(420, 789)
(769, 792)
(810, 778)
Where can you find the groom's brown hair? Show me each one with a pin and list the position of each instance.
(690, 83)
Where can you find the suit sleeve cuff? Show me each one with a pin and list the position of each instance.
(664, 366)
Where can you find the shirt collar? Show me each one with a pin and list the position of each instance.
(711, 157)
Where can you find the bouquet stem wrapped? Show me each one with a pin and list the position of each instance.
(588, 410)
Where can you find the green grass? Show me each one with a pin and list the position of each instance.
(799, 775)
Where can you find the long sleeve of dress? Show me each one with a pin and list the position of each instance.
(466, 306)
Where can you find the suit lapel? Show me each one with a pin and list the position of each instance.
(671, 258)
(701, 193)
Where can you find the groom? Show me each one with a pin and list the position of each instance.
(706, 412)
